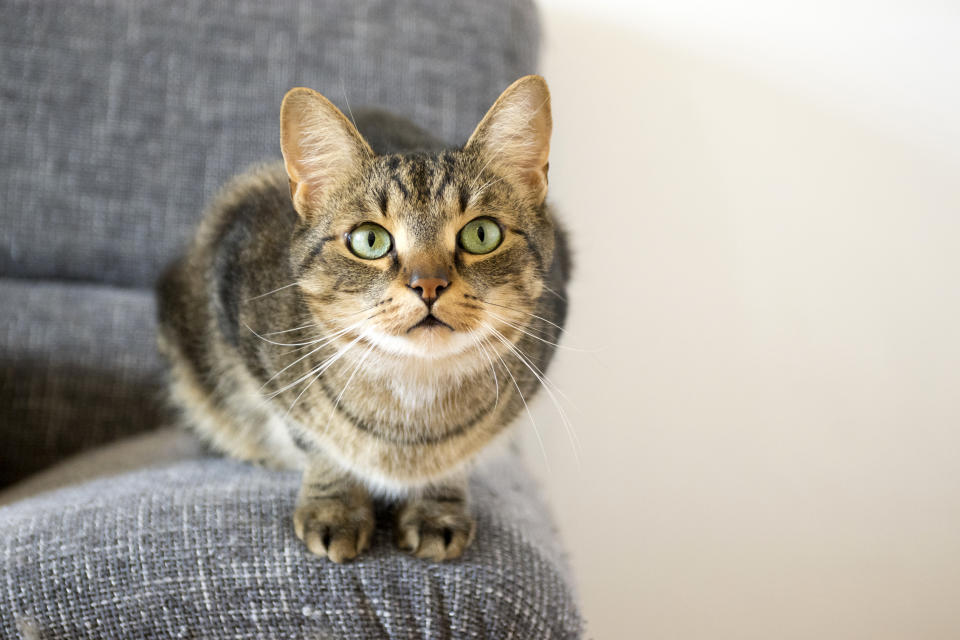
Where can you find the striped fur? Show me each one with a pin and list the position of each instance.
(375, 406)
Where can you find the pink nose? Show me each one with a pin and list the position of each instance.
(428, 287)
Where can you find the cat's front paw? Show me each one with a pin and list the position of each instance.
(435, 529)
(337, 528)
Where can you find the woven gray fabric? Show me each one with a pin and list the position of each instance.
(121, 119)
(79, 368)
(205, 549)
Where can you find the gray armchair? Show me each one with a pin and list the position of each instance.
(120, 120)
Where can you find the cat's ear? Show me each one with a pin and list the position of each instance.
(320, 146)
(514, 136)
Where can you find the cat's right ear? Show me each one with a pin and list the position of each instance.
(514, 136)
(320, 146)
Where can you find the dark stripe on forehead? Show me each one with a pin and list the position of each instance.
(400, 186)
(487, 197)
(361, 202)
(382, 200)
(445, 179)
(446, 176)
(420, 176)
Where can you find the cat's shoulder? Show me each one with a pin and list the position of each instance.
(257, 200)
(259, 186)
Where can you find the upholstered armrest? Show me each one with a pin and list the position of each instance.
(204, 548)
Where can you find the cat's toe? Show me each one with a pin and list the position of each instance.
(434, 531)
(334, 529)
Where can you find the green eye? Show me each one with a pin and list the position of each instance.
(480, 236)
(370, 241)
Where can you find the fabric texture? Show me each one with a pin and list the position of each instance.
(205, 549)
(78, 368)
(121, 119)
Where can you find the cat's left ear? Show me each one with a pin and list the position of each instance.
(320, 146)
(514, 136)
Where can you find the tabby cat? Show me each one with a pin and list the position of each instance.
(372, 311)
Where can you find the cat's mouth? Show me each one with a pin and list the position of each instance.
(430, 321)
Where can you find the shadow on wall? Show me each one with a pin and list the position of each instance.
(771, 434)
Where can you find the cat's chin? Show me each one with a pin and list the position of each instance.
(428, 342)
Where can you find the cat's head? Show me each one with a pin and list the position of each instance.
(422, 254)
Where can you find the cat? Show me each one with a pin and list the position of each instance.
(373, 311)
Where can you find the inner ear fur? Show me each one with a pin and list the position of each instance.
(320, 146)
(514, 135)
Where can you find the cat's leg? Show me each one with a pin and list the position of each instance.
(334, 513)
(436, 522)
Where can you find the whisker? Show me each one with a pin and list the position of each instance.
(343, 88)
(319, 369)
(299, 395)
(574, 439)
(553, 292)
(319, 373)
(488, 183)
(303, 326)
(371, 307)
(330, 339)
(540, 371)
(347, 384)
(532, 315)
(264, 295)
(536, 337)
(314, 324)
(476, 339)
(282, 344)
(314, 339)
(309, 342)
(571, 433)
(533, 422)
(295, 349)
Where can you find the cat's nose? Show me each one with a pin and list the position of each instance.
(429, 286)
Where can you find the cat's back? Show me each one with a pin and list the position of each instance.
(387, 133)
(239, 248)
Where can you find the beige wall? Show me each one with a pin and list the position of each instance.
(765, 204)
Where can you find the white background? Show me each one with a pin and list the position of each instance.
(765, 202)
